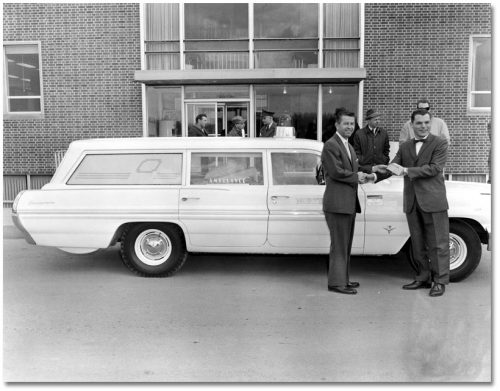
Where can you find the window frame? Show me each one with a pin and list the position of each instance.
(219, 153)
(292, 152)
(24, 114)
(84, 156)
(470, 81)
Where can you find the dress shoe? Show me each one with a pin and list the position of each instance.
(416, 285)
(437, 289)
(353, 284)
(343, 289)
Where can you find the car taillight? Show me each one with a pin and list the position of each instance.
(16, 201)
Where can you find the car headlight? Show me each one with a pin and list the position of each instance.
(16, 201)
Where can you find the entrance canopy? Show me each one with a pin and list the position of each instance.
(253, 76)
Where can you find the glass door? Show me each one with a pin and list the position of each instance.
(207, 108)
(220, 115)
(234, 109)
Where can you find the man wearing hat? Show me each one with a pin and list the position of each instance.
(238, 129)
(268, 128)
(371, 143)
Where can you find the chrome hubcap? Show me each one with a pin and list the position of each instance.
(153, 247)
(458, 251)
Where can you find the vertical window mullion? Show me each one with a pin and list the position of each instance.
(181, 36)
(250, 36)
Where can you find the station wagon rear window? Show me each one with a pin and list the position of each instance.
(226, 168)
(129, 169)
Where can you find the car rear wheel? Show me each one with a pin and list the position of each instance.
(153, 249)
(465, 251)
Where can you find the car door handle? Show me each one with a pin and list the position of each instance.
(274, 198)
(189, 198)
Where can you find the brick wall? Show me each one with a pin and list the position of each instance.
(421, 50)
(89, 55)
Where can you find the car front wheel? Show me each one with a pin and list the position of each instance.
(465, 251)
(153, 249)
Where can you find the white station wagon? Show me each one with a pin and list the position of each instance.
(163, 198)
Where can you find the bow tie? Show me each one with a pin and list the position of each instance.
(422, 140)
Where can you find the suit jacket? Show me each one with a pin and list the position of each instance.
(341, 193)
(425, 180)
(264, 132)
(371, 149)
(195, 131)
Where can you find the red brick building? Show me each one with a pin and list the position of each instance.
(75, 71)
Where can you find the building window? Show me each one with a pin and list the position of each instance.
(341, 35)
(164, 105)
(216, 36)
(334, 97)
(162, 45)
(480, 77)
(23, 93)
(292, 104)
(285, 35)
(273, 35)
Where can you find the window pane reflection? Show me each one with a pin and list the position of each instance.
(336, 96)
(216, 92)
(216, 21)
(164, 111)
(285, 20)
(299, 103)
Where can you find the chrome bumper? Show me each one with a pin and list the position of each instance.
(17, 223)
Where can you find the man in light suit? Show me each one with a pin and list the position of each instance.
(340, 200)
(423, 159)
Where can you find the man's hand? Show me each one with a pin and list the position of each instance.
(361, 177)
(382, 168)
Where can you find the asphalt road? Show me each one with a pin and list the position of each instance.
(236, 318)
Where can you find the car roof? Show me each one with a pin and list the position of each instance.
(148, 143)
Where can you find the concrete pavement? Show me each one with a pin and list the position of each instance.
(235, 318)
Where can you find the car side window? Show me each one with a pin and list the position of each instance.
(129, 169)
(294, 168)
(232, 168)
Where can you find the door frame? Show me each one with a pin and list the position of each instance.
(216, 103)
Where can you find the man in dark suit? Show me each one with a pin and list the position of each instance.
(423, 159)
(371, 143)
(268, 128)
(198, 129)
(340, 200)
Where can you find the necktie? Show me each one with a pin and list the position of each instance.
(346, 145)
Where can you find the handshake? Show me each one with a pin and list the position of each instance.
(365, 178)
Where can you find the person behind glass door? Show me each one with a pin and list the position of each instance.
(268, 128)
(198, 129)
(238, 129)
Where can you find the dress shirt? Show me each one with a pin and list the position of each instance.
(346, 145)
(419, 143)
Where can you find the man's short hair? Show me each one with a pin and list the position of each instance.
(419, 112)
(342, 112)
(423, 101)
(200, 116)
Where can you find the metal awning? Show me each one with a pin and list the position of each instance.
(251, 76)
